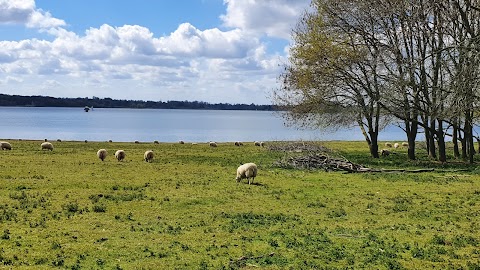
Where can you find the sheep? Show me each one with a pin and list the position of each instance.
(213, 144)
(405, 144)
(181, 142)
(247, 170)
(396, 145)
(47, 146)
(5, 146)
(257, 143)
(136, 142)
(262, 144)
(102, 154)
(148, 156)
(238, 143)
(385, 152)
(86, 141)
(110, 141)
(388, 144)
(120, 155)
(194, 143)
(155, 142)
(58, 140)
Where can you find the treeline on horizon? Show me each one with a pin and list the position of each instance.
(45, 101)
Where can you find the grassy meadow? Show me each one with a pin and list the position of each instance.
(67, 209)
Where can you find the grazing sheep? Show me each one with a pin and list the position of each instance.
(5, 146)
(102, 154)
(155, 142)
(120, 155)
(213, 144)
(58, 140)
(86, 141)
(405, 144)
(247, 170)
(148, 156)
(396, 145)
(257, 143)
(110, 141)
(238, 143)
(388, 144)
(136, 142)
(194, 143)
(262, 144)
(181, 142)
(385, 152)
(47, 146)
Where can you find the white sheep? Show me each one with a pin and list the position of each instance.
(213, 144)
(5, 146)
(102, 154)
(247, 170)
(262, 144)
(388, 144)
(47, 146)
(148, 156)
(396, 145)
(405, 144)
(238, 143)
(385, 152)
(120, 155)
(257, 143)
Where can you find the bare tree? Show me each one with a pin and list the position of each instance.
(332, 78)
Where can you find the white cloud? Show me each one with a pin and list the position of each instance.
(24, 12)
(130, 62)
(275, 18)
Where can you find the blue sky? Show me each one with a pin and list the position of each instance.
(206, 50)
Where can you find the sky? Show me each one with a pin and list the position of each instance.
(215, 51)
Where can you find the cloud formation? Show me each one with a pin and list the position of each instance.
(131, 62)
(25, 13)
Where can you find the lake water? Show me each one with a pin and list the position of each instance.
(102, 124)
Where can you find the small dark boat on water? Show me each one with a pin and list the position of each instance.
(86, 109)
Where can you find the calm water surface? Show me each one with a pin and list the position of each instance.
(162, 125)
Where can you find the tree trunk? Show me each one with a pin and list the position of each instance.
(456, 150)
(431, 140)
(442, 155)
(468, 136)
(374, 144)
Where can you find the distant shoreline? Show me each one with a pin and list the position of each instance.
(95, 102)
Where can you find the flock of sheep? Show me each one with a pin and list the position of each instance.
(386, 152)
(245, 171)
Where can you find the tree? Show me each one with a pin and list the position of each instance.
(333, 77)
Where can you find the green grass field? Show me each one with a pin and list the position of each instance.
(69, 210)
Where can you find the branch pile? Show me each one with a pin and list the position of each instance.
(321, 161)
(320, 157)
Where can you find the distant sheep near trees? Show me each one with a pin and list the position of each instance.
(148, 156)
(388, 144)
(385, 152)
(102, 154)
(120, 155)
(5, 146)
(47, 146)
